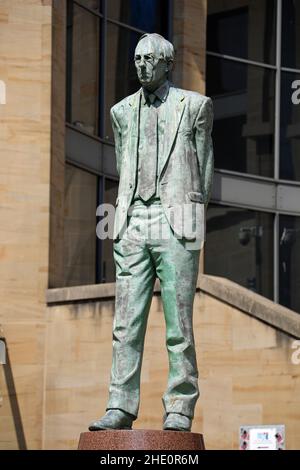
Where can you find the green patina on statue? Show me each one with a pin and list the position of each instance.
(164, 158)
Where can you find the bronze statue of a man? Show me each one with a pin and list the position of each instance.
(165, 161)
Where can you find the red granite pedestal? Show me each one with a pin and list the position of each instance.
(140, 439)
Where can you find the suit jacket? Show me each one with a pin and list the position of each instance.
(186, 168)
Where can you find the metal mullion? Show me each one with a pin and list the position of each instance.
(287, 183)
(266, 210)
(91, 171)
(241, 60)
(277, 91)
(69, 62)
(276, 258)
(249, 176)
(91, 136)
(98, 264)
(82, 167)
(81, 5)
(102, 74)
(287, 69)
(277, 144)
(237, 205)
(127, 26)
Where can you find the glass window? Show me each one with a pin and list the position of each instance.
(239, 246)
(84, 69)
(148, 15)
(108, 272)
(244, 29)
(244, 136)
(290, 127)
(121, 79)
(96, 5)
(89, 99)
(243, 132)
(289, 269)
(80, 227)
(291, 34)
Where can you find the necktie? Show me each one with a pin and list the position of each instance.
(152, 98)
(148, 158)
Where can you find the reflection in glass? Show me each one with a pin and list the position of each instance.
(96, 5)
(239, 246)
(290, 127)
(243, 133)
(291, 34)
(244, 29)
(121, 79)
(83, 74)
(289, 268)
(148, 15)
(108, 272)
(80, 227)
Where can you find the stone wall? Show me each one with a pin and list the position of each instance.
(245, 369)
(25, 127)
(59, 356)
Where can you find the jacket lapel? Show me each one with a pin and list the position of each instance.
(175, 108)
(134, 129)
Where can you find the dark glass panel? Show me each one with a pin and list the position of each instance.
(80, 227)
(83, 69)
(121, 79)
(244, 108)
(290, 127)
(148, 15)
(291, 34)
(289, 262)
(108, 271)
(239, 246)
(244, 29)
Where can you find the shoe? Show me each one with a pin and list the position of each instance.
(113, 419)
(177, 422)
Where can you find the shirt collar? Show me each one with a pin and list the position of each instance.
(161, 92)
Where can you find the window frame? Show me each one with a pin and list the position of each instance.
(285, 193)
(100, 159)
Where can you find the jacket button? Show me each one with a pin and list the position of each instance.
(130, 185)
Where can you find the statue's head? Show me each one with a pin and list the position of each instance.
(154, 57)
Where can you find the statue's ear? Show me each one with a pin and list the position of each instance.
(170, 65)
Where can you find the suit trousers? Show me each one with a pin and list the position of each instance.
(149, 249)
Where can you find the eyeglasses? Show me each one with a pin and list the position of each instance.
(151, 58)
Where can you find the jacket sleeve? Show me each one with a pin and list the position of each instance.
(204, 147)
(117, 136)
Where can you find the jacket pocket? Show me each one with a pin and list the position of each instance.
(195, 196)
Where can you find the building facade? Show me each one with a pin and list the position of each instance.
(63, 64)
(253, 72)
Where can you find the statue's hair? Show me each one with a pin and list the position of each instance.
(166, 48)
